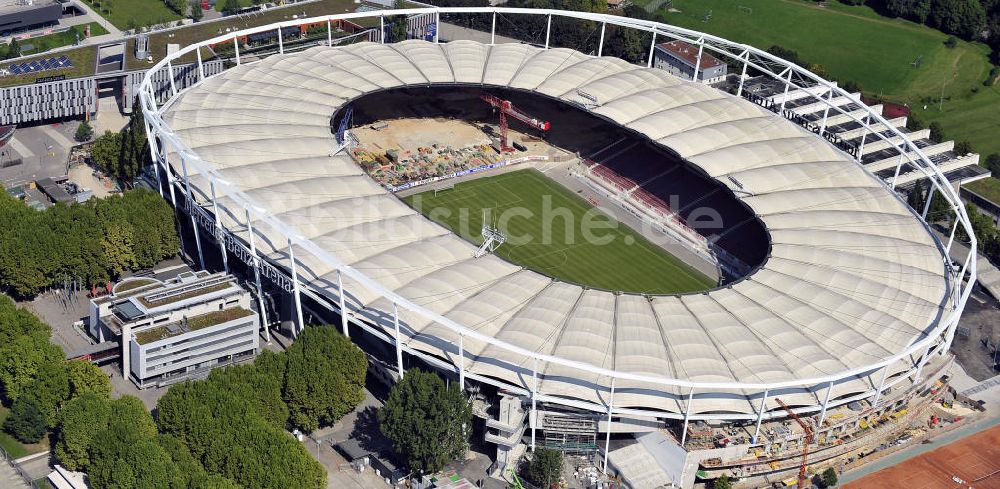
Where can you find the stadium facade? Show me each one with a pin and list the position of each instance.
(846, 321)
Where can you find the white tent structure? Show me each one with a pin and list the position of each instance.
(853, 297)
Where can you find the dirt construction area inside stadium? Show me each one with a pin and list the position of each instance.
(971, 462)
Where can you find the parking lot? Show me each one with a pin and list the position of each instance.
(43, 150)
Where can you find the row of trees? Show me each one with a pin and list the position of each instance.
(91, 242)
(117, 444)
(233, 424)
(229, 430)
(967, 19)
(226, 431)
(972, 20)
(37, 382)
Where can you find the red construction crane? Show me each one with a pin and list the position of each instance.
(805, 444)
(506, 108)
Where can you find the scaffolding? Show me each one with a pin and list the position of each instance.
(574, 435)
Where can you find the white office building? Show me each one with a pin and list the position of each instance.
(170, 331)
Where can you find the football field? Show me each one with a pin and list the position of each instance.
(557, 233)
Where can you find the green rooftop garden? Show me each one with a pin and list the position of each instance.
(193, 323)
(987, 187)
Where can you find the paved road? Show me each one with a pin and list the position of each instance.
(43, 149)
(9, 477)
(37, 466)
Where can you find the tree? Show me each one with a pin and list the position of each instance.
(851, 86)
(41, 249)
(25, 421)
(937, 134)
(917, 10)
(118, 247)
(196, 12)
(86, 378)
(191, 470)
(951, 42)
(993, 164)
(324, 378)
(84, 132)
(829, 477)
(427, 423)
(545, 467)
(21, 359)
(627, 44)
(178, 6)
(722, 482)
(134, 146)
(149, 222)
(79, 422)
(126, 454)
(233, 424)
(915, 198)
(106, 152)
(982, 225)
(786, 54)
(49, 390)
(13, 48)
(963, 147)
(964, 18)
(913, 122)
(230, 6)
(398, 27)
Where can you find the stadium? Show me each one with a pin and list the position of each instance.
(833, 301)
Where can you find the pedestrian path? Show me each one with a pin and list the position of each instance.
(9, 477)
(985, 385)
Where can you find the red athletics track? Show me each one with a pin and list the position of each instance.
(974, 459)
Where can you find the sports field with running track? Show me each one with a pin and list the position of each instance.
(557, 233)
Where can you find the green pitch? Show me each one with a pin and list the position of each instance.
(557, 233)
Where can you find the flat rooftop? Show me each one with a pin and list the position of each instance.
(193, 323)
(12, 6)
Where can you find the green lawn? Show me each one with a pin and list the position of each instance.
(126, 14)
(617, 258)
(855, 43)
(66, 38)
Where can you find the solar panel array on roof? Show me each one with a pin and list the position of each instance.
(36, 66)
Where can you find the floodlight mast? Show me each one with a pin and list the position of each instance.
(492, 237)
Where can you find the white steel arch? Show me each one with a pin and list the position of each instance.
(794, 77)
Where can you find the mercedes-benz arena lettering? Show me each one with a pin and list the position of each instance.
(855, 296)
